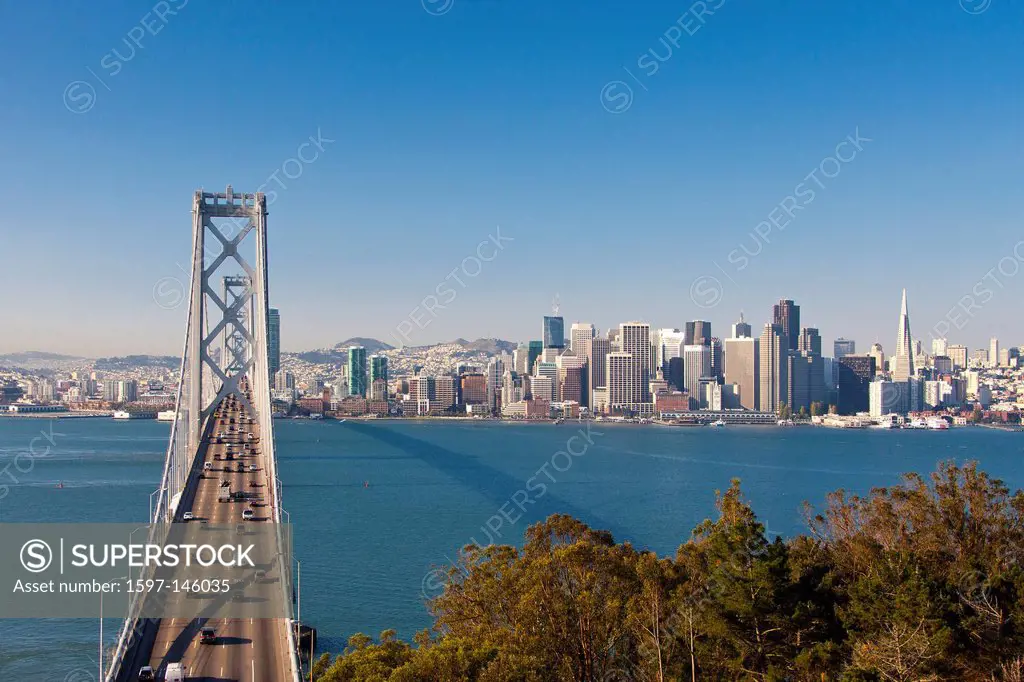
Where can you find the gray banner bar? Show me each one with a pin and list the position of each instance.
(183, 570)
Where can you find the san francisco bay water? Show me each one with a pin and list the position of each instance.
(379, 506)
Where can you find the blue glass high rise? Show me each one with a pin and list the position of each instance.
(554, 332)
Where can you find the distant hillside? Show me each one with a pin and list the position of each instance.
(371, 345)
(492, 346)
(35, 359)
(135, 361)
(324, 356)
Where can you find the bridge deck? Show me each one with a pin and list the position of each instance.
(246, 650)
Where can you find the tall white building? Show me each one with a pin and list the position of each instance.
(903, 367)
(623, 381)
(696, 366)
(993, 352)
(635, 339)
(774, 369)
(581, 342)
(879, 355)
(742, 368)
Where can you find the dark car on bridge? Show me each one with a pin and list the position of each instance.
(207, 636)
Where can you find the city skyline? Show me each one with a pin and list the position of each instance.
(727, 328)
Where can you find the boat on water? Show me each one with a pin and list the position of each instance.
(124, 414)
(718, 423)
(165, 416)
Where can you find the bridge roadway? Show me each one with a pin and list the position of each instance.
(246, 650)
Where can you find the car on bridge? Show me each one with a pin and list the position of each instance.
(146, 674)
(175, 672)
(247, 515)
(207, 636)
(187, 516)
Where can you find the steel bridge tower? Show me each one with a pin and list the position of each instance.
(225, 343)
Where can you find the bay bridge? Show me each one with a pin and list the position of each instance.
(222, 437)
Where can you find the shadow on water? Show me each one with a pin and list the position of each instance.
(496, 485)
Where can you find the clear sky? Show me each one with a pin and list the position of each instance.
(630, 150)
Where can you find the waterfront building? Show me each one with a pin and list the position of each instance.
(378, 390)
(600, 348)
(715, 347)
(554, 332)
(623, 382)
(806, 372)
(635, 340)
(357, 371)
(570, 383)
(742, 368)
(904, 366)
(495, 371)
(842, 347)
(274, 340)
(473, 389)
(670, 353)
(378, 368)
(543, 388)
(853, 377)
(886, 397)
(696, 366)
(773, 370)
(119, 390)
(581, 339)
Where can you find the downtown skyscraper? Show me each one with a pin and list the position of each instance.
(581, 342)
(743, 365)
(554, 332)
(357, 370)
(786, 316)
(274, 340)
(635, 339)
(774, 368)
(904, 364)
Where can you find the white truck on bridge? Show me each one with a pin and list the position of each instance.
(175, 672)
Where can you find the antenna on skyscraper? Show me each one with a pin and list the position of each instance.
(555, 305)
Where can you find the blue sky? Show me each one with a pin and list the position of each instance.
(476, 114)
